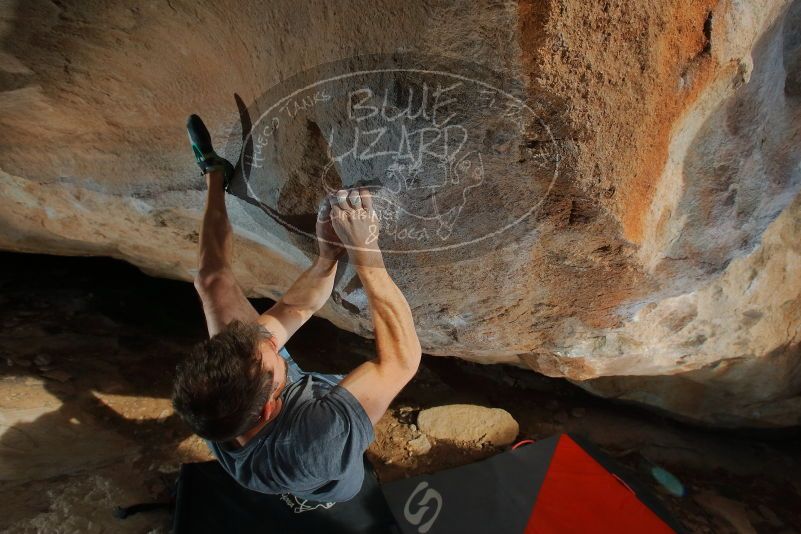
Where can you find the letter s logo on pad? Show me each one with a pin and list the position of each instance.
(422, 507)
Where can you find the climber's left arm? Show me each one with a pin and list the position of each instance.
(307, 295)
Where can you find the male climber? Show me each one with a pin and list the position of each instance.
(273, 427)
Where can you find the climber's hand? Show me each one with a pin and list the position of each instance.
(357, 225)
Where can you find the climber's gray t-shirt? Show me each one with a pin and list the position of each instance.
(313, 449)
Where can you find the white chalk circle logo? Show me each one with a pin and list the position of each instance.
(454, 160)
(416, 518)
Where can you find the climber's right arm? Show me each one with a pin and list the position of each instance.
(376, 382)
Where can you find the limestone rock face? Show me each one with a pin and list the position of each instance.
(623, 210)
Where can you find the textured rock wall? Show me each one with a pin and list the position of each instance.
(664, 266)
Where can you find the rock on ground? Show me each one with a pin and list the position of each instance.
(468, 423)
(419, 445)
(662, 264)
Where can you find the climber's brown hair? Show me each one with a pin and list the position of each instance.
(221, 386)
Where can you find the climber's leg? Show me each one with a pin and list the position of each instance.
(223, 299)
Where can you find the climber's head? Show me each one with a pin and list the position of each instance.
(230, 383)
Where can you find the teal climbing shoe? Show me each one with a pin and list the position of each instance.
(206, 158)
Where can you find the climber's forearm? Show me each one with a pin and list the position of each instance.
(313, 287)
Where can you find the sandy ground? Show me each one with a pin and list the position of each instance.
(87, 349)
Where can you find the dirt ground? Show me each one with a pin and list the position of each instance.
(87, 351)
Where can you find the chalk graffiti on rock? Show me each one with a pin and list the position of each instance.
(430, 145)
